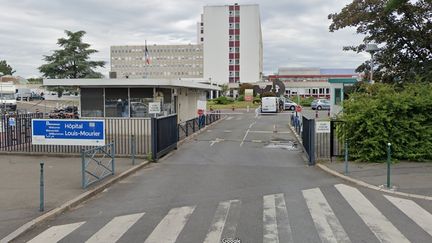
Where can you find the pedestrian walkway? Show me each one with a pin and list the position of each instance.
(20, 185)
(408, 177)
(276, 221)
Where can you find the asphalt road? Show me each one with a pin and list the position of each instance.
(243, 179)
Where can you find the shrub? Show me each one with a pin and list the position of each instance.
(306, 101)
(268, 94)
(241, 98)
(223, 100)
(256, 100)
(381, 114)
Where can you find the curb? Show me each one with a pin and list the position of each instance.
(89, 194)
(359, 182)
(367, 185)
(70, 204)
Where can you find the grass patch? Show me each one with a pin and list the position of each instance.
(235, 104)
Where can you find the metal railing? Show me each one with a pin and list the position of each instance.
(164, 135)
(191, 126)
(97, 164)
(16, 136)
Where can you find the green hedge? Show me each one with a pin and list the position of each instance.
(382, 114)
(222, 100)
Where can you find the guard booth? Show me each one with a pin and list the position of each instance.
(338, 91)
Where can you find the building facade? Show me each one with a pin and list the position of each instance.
(232, 43)
(310, 82)
(165, 61)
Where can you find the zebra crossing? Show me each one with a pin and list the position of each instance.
(276, 220)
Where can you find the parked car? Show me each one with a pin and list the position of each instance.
(289, 105)
(320, 104)
(36, 96)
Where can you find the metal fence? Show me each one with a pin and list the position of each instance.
(308, 138)
(97, 163)
(326, 145)
(336, 145)
(16, 134)
(191, 126)
(164, 137)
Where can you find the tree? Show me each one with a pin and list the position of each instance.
(244, 86)
(5, 68)
(72, 61)
(402, 28)
(224, 89)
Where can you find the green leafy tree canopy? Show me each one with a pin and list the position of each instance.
(72, 60)
(5, 68)
(402, 29)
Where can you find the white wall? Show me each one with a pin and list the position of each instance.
(187, 100)
(250, 44)
(216, 45)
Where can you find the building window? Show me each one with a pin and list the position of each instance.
(116, 102)
(140, 97)
(92, 102)
(338, 97)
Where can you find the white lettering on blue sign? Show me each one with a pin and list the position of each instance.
(68, 132)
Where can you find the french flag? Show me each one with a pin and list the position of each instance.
(146, 54)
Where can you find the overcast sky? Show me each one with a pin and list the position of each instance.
(295, 32)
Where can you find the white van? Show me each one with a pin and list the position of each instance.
(23, 94)
(269, 104)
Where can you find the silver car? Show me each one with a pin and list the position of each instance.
(320, 104)
(289, 105)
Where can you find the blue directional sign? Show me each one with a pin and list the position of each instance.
(68, 132)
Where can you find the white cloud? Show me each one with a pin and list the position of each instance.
(295, 33)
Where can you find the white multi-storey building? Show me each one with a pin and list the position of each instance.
(232, 43)
(165, 61)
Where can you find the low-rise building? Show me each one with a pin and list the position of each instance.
(130, 98)
(310, 82)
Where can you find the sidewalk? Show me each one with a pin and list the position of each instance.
(19, 186)
(408, 177)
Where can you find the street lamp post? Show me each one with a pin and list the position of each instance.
(371, 48)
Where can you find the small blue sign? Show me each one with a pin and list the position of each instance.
(12, 121)
(68, 132)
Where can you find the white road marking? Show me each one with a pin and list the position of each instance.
(218, 222)
(284, 227)
(229, 118)
(112, 231)
(56, 233)
(383, 229)
(242, 142)
(420, 216)
(171, 225)
(239, 118)
(268, 132)
(270, 233)
(217, 140)
(328, 226)
(227, 131)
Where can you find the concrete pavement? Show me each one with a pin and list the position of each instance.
(407, 177)
(19, 186)
(242, 179)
